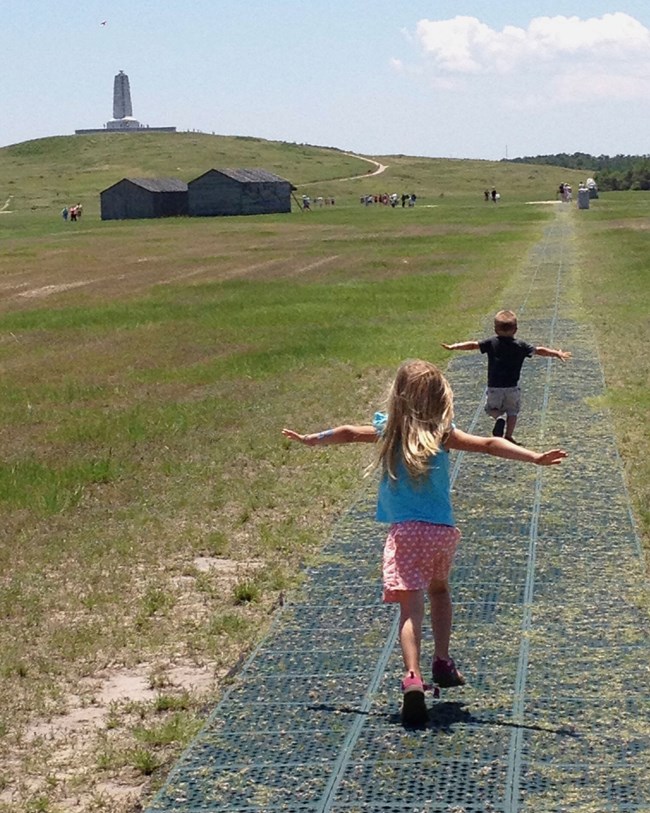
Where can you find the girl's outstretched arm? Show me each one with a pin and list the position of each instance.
(340, 434)
(500, 447)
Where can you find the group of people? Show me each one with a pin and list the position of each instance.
(389, 200)
(319, 201)
(494, 196)
(72, 212)
(413, 436)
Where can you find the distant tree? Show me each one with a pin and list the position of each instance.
(611, 173)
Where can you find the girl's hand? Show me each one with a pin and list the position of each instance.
(339, 434)
(308, 440)
(551, 458)
(563, 355)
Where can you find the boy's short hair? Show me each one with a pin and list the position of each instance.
(505, 323)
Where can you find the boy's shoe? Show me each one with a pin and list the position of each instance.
(414, 709)
(512, 440)
(499, 427)
(445, 673)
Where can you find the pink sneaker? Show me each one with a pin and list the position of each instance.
(414, 709)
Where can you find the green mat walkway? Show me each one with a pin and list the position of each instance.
(551, 628)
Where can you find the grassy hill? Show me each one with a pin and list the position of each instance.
(45, 174)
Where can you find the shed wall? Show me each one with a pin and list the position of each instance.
(127, 201)
(216, 194)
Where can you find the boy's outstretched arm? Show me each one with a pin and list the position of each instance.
(500, 447)
(563, 355)
(461, 346)
(339, 434)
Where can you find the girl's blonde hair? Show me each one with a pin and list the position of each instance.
(420, 410)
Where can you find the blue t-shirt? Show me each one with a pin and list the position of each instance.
(426, 499)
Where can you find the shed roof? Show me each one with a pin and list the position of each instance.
(248, 175)
(157, 184)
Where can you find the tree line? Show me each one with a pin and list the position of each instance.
(611, 173)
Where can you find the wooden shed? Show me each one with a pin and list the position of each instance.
(144, 197)
(238, 192)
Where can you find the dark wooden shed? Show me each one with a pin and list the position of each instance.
(238, 192)
(144, 197)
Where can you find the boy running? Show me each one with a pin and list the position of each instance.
(506, 356)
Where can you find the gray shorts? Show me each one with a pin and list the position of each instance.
(502, 399)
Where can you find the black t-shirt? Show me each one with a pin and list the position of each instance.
(505, 358)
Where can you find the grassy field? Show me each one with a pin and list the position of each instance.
(152, 515)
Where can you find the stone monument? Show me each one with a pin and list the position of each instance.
(122, 107)
(123, 120)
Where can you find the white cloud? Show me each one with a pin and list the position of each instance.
(465, 45)
(583, 85)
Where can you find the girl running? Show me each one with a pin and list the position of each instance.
(414, 437)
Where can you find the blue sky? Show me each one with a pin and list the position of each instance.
(478, 79)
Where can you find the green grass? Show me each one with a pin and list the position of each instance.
(149, 366)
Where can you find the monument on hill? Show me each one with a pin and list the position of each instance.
(122, 106)
(123, 120)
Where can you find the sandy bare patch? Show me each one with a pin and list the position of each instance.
(68, 742)
(317, 264)
(88, 710)
(225, 567)
(48, 290)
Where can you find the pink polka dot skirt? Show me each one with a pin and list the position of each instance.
(416, 553)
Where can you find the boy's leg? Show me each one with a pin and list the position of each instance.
(494, 407)
(411, 606)
(513, 405)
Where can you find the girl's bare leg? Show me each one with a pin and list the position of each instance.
(411, 605)
(441, 615)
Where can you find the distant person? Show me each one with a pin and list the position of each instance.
(506, 356)
(487, 195)
(65, 213)
(306, 203)
(494, 196)
(412, 200)
(73, 213)
(404, 199)
(414, 437)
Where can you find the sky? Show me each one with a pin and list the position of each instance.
(485, 79)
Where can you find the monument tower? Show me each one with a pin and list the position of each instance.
(122, 97)
(122, 107)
